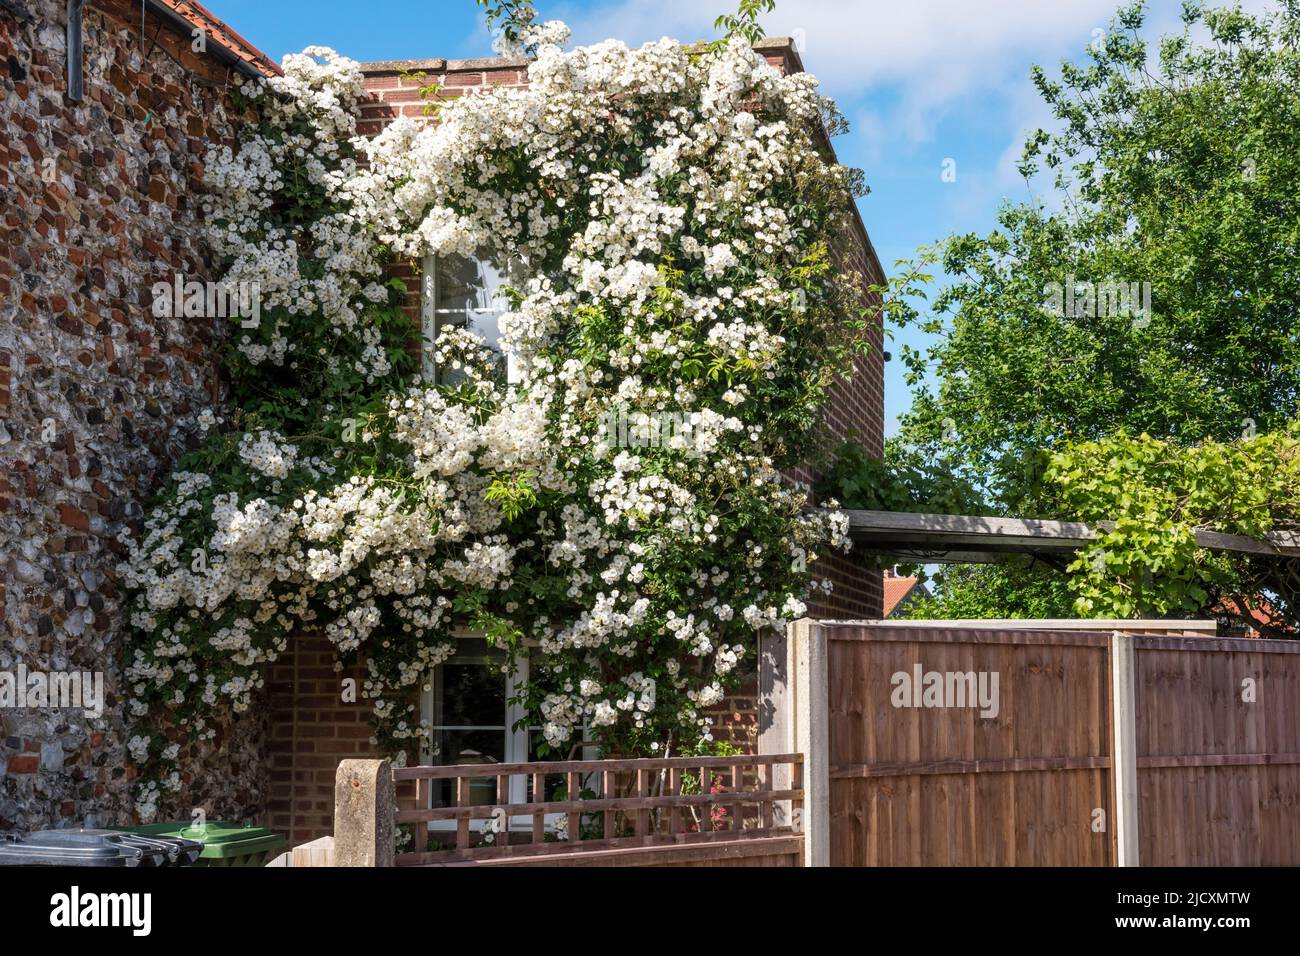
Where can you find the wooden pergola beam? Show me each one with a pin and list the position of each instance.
(952, 539)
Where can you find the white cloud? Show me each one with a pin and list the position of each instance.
(918, 60)
(912, 74)
(930, 56)
(937, 49)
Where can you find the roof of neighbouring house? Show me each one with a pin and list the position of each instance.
(221, 34)
(1263, 614)
(896, 591)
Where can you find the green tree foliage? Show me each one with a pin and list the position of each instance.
(900, 481)
(510, 17)
(1158, 495)
(1154, 292)
(744, 22)
(995, 591)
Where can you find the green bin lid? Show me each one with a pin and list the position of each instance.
(221, 840)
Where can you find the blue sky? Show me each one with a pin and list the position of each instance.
(922, 81)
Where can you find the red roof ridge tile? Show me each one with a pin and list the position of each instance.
(221, 32)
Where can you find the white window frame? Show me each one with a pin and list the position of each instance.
(429, 313)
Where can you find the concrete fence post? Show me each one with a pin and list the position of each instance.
(775, 712)
(1123, 751)
(808, 675)
(365, 809)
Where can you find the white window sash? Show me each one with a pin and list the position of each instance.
(429, 317)
(516, 744)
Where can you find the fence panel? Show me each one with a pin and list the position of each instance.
(1218, 747)
(917, 782)
(681, 811)
(944, 781)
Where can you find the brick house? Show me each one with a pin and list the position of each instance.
(98, 399)
(901, 593)
(310, 730)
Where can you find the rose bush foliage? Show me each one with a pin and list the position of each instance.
(673, 211)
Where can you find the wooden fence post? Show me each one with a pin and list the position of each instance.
(1123, 751)
(319, 852)
(365, 809)
(808, 672)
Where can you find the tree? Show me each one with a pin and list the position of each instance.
(1155, 291)
(1175, 184)
(1013, 590)
(1155, 496)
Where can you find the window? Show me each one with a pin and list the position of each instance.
(466, 291)
(472, 719)
(468, 706)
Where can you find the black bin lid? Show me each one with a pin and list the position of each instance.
(95, 848)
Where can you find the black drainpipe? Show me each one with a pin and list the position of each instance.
(75, 78)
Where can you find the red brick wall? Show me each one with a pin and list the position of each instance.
(856, 410)
(395, 95)
(735, 720)
(312, 729)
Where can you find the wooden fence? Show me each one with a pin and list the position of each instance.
(682, 811)
(882, 744)
(1090, 749)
